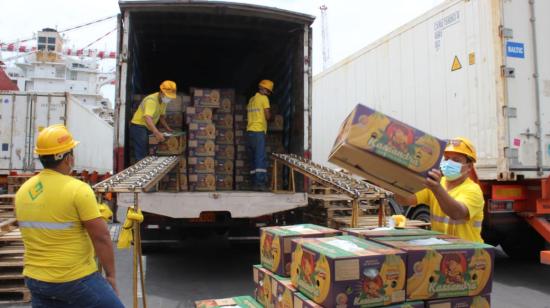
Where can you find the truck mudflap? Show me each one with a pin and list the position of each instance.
(239, 204)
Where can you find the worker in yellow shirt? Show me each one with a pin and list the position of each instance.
(258, 113)
(150, 112)
(62, 230)
(453, 193)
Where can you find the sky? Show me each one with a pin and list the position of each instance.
(352, 24)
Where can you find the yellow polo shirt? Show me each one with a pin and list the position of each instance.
(468, 193)
(151, 106)
(50, 208)
(256, 114)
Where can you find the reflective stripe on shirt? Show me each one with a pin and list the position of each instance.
(447, 220)
(46, 225)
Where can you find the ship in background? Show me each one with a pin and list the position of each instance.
(47, 84)
(49, 68)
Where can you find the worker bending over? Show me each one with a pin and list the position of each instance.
(453, 194)
(62, 230)
(150, 112)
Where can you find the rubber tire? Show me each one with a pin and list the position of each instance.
(526, 246)
(421, 212)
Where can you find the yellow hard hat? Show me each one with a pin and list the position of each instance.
(267, 84)
(463, 146)
(54, 139)
(168, 88)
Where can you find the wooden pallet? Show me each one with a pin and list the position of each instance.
(7, 199)
(12, 283)
(327, 205)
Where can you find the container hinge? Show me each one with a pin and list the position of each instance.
(511, 153)
(506, 33)
(508, 72)
(510, 112)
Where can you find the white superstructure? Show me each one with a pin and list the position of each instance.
(46, 70)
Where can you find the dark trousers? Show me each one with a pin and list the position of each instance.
(139, 137)
(90, 291)
(256, 152)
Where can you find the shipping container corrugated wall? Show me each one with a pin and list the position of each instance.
(442, 74)
(23, 114)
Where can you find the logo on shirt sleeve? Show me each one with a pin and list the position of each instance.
(36, 191)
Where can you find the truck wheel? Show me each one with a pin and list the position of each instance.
(526, 246)
(420, 212)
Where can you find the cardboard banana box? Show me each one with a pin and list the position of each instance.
(206, 98)
(224, 182)
(202, 182)
(224, 167)
(416, 304)
(174, 120)
(369, 233)
(201, 147)
(385, 151)
(202, 131)
(170, 182)
(225, 151)
(481, 301)
(346, 271)
(301, 301)
(441, 266)
(277, 123)
(227, 101)
(179, 103)
(272, 291)
(275, 244)
(199, 165)
(223, 120)
(199, 115)
(225, 136)
(237, 302)
(174, 144)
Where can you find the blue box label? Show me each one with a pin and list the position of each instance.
(515, 50)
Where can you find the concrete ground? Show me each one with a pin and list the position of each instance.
(215, 268)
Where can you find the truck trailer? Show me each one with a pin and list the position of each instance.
(472, 68)
(23, 114)
(205, 44)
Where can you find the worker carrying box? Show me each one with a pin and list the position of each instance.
(417, 167)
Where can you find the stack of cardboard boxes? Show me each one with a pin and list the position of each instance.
(225, 141)
(312, 266)
(243, 179)
(202, 139)
(210, 135)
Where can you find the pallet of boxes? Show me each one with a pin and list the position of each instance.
(312, 266)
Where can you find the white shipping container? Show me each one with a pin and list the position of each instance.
(21, 116)
(477, 68)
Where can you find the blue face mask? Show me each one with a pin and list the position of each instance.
(450, 169)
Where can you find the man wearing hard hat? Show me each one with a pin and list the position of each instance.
(258, 113)
(62, 230)
(453, 193)
(151, 111)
